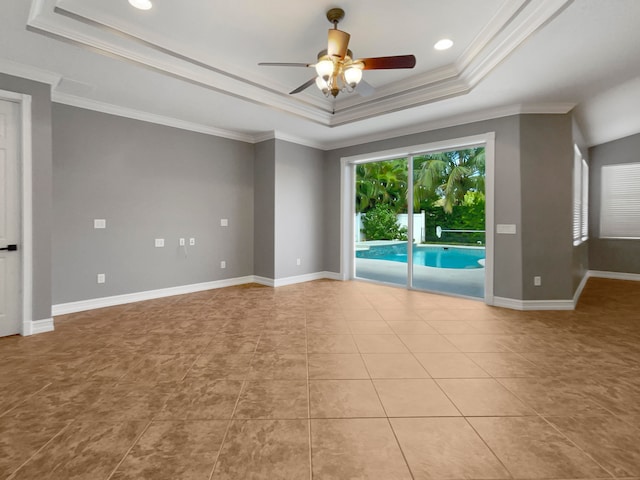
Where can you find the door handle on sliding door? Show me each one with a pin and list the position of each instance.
(10, 248)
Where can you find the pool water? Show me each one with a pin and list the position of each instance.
(429, 256)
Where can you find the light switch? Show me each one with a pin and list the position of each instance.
(224, 222)
(506, 228)
(99, 223)
(223, 264)
(159, 242)
(181, 242)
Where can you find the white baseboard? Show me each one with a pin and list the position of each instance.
(91, 304)
(614, 275)
(533, 304)
(309, 277)
(33, 327)
(94, 303)
(578, 292)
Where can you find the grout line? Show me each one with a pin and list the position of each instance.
(306, 341)
(41, 448)
(129, 449)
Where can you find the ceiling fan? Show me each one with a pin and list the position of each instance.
(337, 71)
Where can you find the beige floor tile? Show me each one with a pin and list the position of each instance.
(331, 344)
(343, 399)
(414, 398)
(356, 448)
(160, 368)
(450, 365)
(393, 365)
(452, 326)
(554, 396)
(19, 440)
(335, 366)
(411, 328)
(379, 328)
(232, 366)
(402, 315)
(269, 449)
(238, 343)
(282, 344)
(446, 448)
(531, 448)
(379, 344)
(610, 441)
(278, 366)
(174, 449)
(428, 343)
(118, 367)
(83, 450)
(202, 399)
(505, 364)
(483, 397)
(477, 343)
(273, 399)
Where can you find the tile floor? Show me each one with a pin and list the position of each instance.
(327, 380)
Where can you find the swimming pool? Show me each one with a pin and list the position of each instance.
(429, 256)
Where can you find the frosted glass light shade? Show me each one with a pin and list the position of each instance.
(352, 75)
(324, 68)
(141, 4)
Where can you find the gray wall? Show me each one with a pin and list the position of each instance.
(264, 209)
(546, 168)
(41, 160)
(299, 210)
(148, 181)
(612, 255)
(508, 248)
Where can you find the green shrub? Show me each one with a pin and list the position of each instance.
(380, 224)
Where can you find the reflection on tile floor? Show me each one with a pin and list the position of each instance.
(327, 380)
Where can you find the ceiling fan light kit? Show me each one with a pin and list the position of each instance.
(336, 69)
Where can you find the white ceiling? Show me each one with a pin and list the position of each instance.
(193, 64)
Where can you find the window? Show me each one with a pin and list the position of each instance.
(620, 202)
(580, 198)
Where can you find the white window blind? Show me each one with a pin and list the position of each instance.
(584, 217)
(580, 198)
(620, 202)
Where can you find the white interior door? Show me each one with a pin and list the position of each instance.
(9, 219)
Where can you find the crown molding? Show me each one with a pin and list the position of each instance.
(472, 117)
(28, 72)
(97, 106)
(277, 135)
(512, 24)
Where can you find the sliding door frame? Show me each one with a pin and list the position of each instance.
(347, 201)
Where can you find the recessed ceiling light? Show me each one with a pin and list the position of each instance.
(443, 44)
(141, 4)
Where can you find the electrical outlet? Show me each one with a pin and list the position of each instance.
(101, 278)
(181, 242)
(298, 262)
(192, 241)
(159, 242)
(224, 222)
(537, 281)
(99, 223)
(223, 264)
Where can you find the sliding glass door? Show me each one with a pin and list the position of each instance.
(381, 221)
(420, 221)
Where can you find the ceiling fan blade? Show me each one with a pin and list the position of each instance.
(365, 89)
(387, 63)
(283, 64)
(338, 43)
(304, 86)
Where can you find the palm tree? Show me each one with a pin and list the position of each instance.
(381, 182)
(448, 176)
